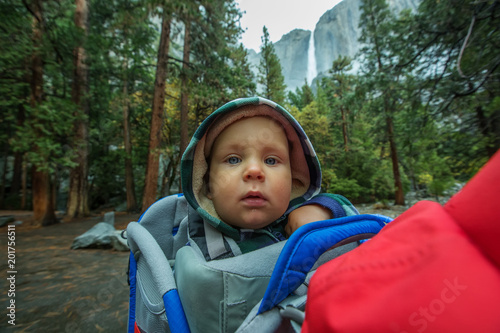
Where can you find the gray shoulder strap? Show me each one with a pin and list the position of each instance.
(234, 247)
(215, 242)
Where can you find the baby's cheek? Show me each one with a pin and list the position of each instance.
(219, 183)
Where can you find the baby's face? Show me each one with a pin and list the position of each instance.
(250, 178)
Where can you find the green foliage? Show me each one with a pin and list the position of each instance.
(270, 74)
(433, 73)
(463, 80)
(40, 131)
(381, 182)
(346, 186)
(16, 49)
(241, 81)
(107, 178)
(302, 97)
(43, 135)
(218, 69)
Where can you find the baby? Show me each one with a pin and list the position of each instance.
(252, 175)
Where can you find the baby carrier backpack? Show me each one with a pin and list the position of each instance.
(174, 288)
(434, 269)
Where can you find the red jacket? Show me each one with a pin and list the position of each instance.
(433, 269)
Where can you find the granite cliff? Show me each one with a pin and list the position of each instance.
(335, 34)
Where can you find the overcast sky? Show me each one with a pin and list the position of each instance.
(280, 17)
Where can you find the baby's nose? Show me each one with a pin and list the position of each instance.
(254, 172)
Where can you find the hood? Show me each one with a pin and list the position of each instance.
(306, 172)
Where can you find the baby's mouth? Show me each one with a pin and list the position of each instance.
(254, 199)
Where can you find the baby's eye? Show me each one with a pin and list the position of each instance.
(233, 160)
(270, 161)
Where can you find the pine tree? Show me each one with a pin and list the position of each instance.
(457, 51)
(381, 78)
(151, 178)
(270, 74)
(340, 85)
(78, 182)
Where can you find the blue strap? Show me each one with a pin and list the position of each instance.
(132, 281)
(163, 277)
(306, 245)
(177, 321)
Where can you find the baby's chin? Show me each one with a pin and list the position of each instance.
(254, 222)
(253, 219)
(250, 224)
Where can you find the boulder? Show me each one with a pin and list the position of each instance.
(109, 218)
(118, 242)
(103, 235)
(6, 219)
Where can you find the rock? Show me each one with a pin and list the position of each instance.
(337, 31)
(99, 236)
(5, 219)
(380, 205)
(292, 50)
(336, 34)
(102, 235)
(118, 242)
(121, 207)
(109, 218)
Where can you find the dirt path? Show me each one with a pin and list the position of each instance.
(63, 290)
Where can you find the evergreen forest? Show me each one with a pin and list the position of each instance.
(100, 98)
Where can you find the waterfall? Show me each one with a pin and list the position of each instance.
(311, 60)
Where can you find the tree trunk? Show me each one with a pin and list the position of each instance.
(24, 185)
(43, 198)
(184, 89)
(151, 179)
(129, 172)
(43, 202)
(78, 181)
(486, 128)
(4, 174)
(398, 186)
(18, 156)
(344, 129)
(175, 163)
(18, 187)
(15, 186)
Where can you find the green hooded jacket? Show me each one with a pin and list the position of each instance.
(305, 168)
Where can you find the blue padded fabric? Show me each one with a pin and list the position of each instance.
(132, 280)
(306, 245)
(175, 314)
(329, 203)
